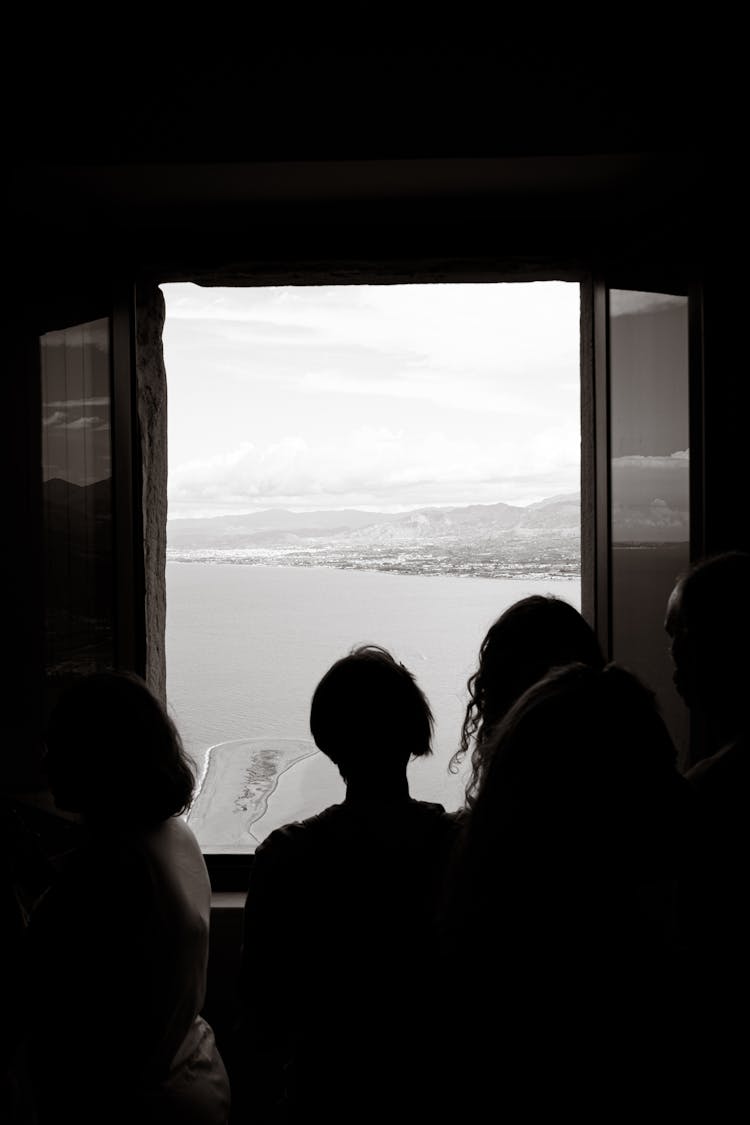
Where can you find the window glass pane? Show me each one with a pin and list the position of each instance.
(77, 490)
(650, 486)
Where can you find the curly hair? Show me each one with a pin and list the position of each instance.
(530, 638)
(582, 758)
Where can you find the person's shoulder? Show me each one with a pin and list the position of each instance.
(726, 769)
(721, 785)
(298, 835)
(459, 816)
(435, 819)
(432, 810)
(137, 845)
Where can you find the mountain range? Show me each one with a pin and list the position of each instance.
(557, 517)
(484, 540)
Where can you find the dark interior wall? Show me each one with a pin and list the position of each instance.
(371, 89)
(723, 421)
(255, 159)
(22, 555)
(542, 137)
(244, 159)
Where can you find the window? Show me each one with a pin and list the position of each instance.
(91, 533)
(650, 494)
(77, 499)
(635, 537)
(351, 464)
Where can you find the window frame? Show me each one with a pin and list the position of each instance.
(229, 870)
(115, 305)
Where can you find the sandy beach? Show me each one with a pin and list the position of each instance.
(238, 780)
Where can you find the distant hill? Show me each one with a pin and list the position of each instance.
(78, 572)
(279, 528)
(63, 499)
(274, 519)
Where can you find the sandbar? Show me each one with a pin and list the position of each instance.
(238, 780)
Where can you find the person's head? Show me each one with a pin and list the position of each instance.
(369, 716)
(708, 621)
(581, 765)
(531, 637)
(114, 755)
(579, 804)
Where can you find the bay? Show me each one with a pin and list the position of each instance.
(247, 645)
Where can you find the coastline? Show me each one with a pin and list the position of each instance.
(530, 571)
(237, 781)
(223, 663)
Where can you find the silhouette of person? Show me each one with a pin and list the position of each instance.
(337, 973)
(562, 899)
(531, 637)
(708, 621)
(117, 947)
(26, 873)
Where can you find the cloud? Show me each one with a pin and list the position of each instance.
(70, 403)
(673, 462)
(457, 390)
(650, 497)
(471, 394)
(654, 522)
(58, 421)
(428, 342)
(374, 466)
(81, 337)
(626, 302)
(90, 422)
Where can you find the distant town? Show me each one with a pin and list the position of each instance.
(481, 540)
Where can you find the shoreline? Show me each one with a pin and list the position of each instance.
(274, 787)
(236, 785)
(276, 564)
(245, 786)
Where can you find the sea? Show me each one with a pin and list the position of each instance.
(247, 644)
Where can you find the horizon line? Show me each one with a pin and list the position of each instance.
(374, 511)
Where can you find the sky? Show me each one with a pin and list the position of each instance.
(378, 397)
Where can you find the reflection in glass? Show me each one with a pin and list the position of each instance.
(77, 490)
(649, 486)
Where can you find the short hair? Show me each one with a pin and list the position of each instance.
(368, 710)
(530, 637)
(714, 598)
(710, 605)
(113, 752)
